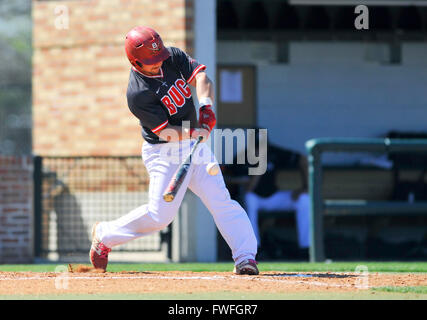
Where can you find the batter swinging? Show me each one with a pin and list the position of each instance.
(159, 96)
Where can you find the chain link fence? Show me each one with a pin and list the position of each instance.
(72, 193)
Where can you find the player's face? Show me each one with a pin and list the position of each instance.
(152, 69)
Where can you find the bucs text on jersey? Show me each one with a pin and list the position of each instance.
(166, 98)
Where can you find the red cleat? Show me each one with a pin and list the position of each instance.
(98, 252)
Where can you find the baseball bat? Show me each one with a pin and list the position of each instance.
(180, 174)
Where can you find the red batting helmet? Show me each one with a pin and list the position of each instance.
(144, 46)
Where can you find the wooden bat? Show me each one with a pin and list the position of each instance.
(180, 174)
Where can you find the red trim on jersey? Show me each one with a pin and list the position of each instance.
(196, 71)
(146, 75)
(160, 127)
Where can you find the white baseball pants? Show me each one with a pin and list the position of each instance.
(281, 200)
(161, 161)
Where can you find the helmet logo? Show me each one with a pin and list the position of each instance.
(155, 48)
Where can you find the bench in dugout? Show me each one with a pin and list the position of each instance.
(347, 190)
(371, 205)
(340, 183)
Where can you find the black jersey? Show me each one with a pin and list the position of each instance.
(165, 98)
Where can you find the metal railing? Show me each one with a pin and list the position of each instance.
(318, 205)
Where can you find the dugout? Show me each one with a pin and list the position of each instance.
(313, 74)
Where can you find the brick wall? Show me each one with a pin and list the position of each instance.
(16, 209)
(80, 71)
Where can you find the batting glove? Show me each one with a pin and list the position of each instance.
(207, 118)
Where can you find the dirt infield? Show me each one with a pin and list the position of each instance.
(36, 283)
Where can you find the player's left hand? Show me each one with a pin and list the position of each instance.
(207, 118)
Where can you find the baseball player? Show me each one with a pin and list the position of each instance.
(159, 96)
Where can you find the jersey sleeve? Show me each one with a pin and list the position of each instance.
(188, 66)
(150, 113)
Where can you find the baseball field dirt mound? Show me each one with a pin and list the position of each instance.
(36, 283)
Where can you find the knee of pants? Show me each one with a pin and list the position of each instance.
(161, 217)
(162, 225)
(159, 223)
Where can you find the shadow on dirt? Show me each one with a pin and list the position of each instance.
(134, 272)
(312, 275)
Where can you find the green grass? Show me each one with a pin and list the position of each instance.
(418, 289)
(409, 267)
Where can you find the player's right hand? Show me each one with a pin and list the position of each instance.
(207, 117)
(200, 132)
